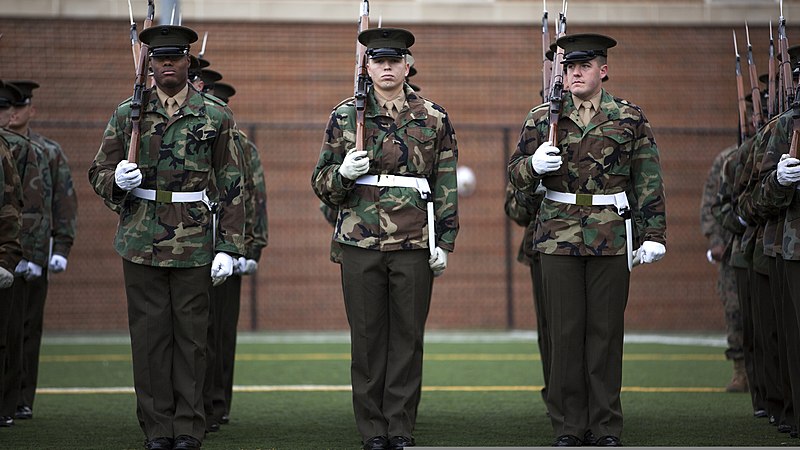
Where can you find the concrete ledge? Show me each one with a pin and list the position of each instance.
(698, 12)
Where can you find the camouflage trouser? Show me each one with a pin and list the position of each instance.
(726, 288)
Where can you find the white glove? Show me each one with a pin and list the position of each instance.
(438, 261)
(546, 159)
(6, 278)
(127, 175)
(57, 263)
(239, 265)
(709, 257)
(34, 271)
(22, 268)
(651, 251)
(354, 165)
(221, 268)
(251, 267)
(788, 170)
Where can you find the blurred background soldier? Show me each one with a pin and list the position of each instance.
(171, 252)
(35, 234)
(718, 253)
(10, 249)
(64, 223)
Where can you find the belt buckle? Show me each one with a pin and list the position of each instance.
(163, 196)
(583, 199)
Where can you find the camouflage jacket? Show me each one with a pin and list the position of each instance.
(10, 210)
(775, 196)
(421, 142)
(36, 182)
(331, 215)
(256, 231)
(192, 151)
(522, 209)
(717, 235)
(724, 207)
(65, 202)
(615, 153)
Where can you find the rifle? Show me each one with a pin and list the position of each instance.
(795, 129)
(139, 85)
(758, 119)
(740, 91)
(361, 77)
(786, 64)
(557, 83)
(547, 65)
(203, 47)
(134, 37)
(772, 105)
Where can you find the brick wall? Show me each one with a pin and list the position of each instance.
(289, 76)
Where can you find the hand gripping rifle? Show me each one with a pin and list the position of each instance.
(740, 92)
(139, 85)
(758, 118)
(361, 77)
(557, 83)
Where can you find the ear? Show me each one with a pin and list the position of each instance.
(603, 70)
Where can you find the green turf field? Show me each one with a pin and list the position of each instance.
(475, 394)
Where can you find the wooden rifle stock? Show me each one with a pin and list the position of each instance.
(557, 83)
(787, 79)
(755, 92)
(547, 65)
(361, 77)
(139, 85)
(740, 92)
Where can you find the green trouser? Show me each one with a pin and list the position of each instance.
(7, 408)
(542, 339)
(32, 337)
(221, 350)
(229, 322)
(791, 272)
(387, 298)
(12, 373)
(168, 321)
(586, 299)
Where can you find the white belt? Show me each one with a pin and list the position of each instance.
(170, 197)
(584, 199)
(418, 183)
(619, 200)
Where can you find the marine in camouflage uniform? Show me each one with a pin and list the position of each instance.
(387, 267)
(225, 299)
(167, 242)
(777, 193)
(718, 241)
(36, 182)
(582, 239)
(10, 248)
(522, 209)
(64, 223)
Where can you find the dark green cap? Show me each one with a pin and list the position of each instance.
(584, 47)
(196, 65)
(224, 91)
(386, 42)
(10, 95)
(168, 40)
(26, 87)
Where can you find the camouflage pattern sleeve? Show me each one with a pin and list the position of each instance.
(256, 224)
(750, 179)
(534, 133)
(773, 194)
(65, 202)
(445, 186)
(708, 224)
(327, 182)
(37, 200)
(10, 210)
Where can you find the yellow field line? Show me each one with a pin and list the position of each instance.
(428, 357)
(346, 388)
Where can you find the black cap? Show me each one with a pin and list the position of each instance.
(10, 95)
(168, 40)
(26, 87)
(224, 91)
(210, 77)
(584, 47)
(386, 42)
